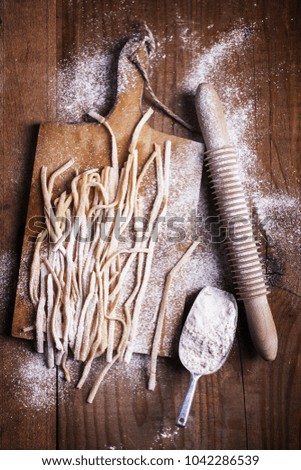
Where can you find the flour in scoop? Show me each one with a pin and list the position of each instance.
(209, 331)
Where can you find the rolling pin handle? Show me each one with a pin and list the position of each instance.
(262, 327)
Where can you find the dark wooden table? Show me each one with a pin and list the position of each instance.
(249, 404)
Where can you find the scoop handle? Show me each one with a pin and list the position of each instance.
(187, 402)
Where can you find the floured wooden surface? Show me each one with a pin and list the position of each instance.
(90, 147)
(88, 144)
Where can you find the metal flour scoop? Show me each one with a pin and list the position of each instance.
(206, 339)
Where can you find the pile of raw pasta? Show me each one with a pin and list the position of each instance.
(76, 281)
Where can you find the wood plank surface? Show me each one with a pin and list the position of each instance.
(273, 411)
(28, 35)
(249, 403)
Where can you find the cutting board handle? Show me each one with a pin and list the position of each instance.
(130, 82)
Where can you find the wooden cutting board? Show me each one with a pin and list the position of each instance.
(89, 145)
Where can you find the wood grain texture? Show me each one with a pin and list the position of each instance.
(249, 403)
(27, 68)
(272, 415)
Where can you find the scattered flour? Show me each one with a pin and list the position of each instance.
(233, 91)
(205, 66)
(34, 387)
(276, 211)
(83, 83)
(280, 217)
(26, 377)
(167, 434)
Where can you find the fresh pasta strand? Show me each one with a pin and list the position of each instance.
(160, 320)
(158, 211)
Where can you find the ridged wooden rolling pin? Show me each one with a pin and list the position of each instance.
(229, 194)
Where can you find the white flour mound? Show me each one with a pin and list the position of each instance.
(209, 331)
